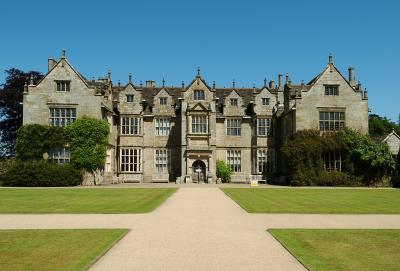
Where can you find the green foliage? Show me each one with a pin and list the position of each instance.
(11, 95)
(40, 173)
(364, 159)
(381, 126)
(33, 140)
(88, 140)
(371, 159)
(224, 171)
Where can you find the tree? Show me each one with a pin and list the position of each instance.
(88, 139)
(11, 93)
(381, 126)
(224, 171)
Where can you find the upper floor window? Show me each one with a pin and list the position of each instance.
(130, 160)
(63, 85)
(60, 155)
(332, 90)
(234, 102)
(265, 101)
(331, 121)
(199, 94)
(163, 100)
(263, 126)
(163, 126)
(130, 125)
(129, 98)
(233, 127)
(234, 160)
(61, 117)
(199, 124)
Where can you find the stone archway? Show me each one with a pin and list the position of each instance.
(199, 171)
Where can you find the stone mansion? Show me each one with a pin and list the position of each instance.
(163, 133)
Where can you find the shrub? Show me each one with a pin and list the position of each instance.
(224, 171)
(40, 173)
(337, 178)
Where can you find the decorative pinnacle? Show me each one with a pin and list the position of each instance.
(183, 84)
(213, 84)
(330, 58)
(265, 82)
(109, 75)
(63, 53)
(198, 71)
(163, 82)
(233, 83)
(31, 80)
(130, 78)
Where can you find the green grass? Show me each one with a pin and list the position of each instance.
(54, 249)
(343, 250)
(81, 200)
(317, 201)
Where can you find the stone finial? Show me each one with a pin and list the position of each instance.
(141, 84)
(26, 86)
(183, 84)
(119, 83)
(287, 78)
(265, 82)
(130, 78)
(163, 82)
(109, 75)
(63, 54)
(198, 71)
(31, 80)
(330, 58)
(233, 83)
(213, 86)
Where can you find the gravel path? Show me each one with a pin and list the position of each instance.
(198, 228)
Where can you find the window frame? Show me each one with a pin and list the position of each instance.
(162, 160)
(198, 95)
(199, 124)
(130, 160)
(63, 85)
(163, 100)
(330, 120)
(161, 129)
(333, 161)
(64, 117)
(264, 129)
(234, 102)
(234, 126)
(131, 125)
(265, 101)
(60, 155)
(130, 98)
(331, 90)
(234, 160)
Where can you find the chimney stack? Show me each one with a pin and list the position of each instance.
(272, 84)
(150, 84)
(280, 81)
(352, 77)
(51, 62)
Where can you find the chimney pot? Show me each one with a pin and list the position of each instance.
(280, 80)
(51, 62)
(272, 84)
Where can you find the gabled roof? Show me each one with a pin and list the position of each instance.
(393, 133)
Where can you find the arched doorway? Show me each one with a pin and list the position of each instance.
(199, 171)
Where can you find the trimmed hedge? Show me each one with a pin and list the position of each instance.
(40, 173)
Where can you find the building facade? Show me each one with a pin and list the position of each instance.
(162, 133)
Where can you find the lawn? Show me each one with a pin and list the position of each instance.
(316, 201)
(54, 249)
(82, 200)
(343, 250)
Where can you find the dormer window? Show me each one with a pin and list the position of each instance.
(199, 94)
(332, 90)
(265, 101)
(234, 102)
(129, 98)
(163, 100)
(63, 85)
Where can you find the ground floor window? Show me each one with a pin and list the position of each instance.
(234, 159)
(265, 161)
(333, 161)
(131, 160)
(60, 155)
(162, 160)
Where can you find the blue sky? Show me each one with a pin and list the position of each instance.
(241, 40)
